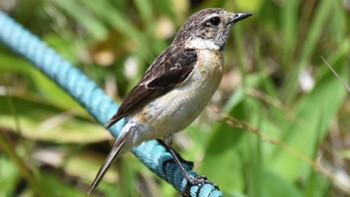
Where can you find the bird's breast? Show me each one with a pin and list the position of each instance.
(179, 107)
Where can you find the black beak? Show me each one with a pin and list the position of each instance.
(240, 16)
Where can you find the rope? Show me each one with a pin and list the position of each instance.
(96, 102)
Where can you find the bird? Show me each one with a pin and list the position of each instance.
(176, 87)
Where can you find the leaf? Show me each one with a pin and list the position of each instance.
(273, 185)
(40, 121)
(223, 155)
(94, 26)
(314, 113)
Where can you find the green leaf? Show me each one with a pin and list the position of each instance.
(39, 121)
(92, 24)
(223, 156)
(275, 186)
(314, 113)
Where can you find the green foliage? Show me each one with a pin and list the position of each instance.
(266, 133)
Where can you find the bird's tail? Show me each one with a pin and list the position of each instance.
(113, 154)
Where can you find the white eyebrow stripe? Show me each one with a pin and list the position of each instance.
(211, 16)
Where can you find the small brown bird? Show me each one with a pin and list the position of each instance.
(176, 87)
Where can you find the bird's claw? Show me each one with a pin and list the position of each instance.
(200, 181)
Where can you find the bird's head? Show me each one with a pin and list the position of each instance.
(208, 29)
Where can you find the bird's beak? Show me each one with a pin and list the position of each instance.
(239, 16)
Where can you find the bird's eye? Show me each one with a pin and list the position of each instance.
(215, 21)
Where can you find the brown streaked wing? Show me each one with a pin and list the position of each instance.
(169, 70)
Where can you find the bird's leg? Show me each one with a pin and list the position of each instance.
(189, 163)
(191, 180)
(168, 142)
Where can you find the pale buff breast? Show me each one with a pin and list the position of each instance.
(178, 108)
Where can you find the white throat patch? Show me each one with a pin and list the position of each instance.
(199, 43)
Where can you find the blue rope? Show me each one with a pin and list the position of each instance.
(99, 105)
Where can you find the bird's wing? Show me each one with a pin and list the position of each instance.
(169, 70)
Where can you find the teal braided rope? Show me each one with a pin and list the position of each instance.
(97, 103)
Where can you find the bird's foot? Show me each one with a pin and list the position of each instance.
(200, 181)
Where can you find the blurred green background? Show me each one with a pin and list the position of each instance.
(278, 125)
